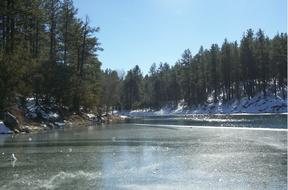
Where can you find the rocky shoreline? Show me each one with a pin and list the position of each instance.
(30, 116)
(9, 123)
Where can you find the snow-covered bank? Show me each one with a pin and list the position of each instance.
(34, 110)
(256, 105)
(55, 116)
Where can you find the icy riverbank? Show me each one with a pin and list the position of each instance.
(256, 105)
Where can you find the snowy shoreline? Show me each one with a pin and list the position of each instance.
(258, 105)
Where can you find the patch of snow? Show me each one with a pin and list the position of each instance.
(123, 116)
(53, 115)
(34, 110)
(60, 124)
(91, 116)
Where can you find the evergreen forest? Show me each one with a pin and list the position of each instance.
(48, 53)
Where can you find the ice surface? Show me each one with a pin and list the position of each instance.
(151, 156)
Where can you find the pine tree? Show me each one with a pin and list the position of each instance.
(131, 88)
(185, 79)
(262, 59)
(236, 71)
(214, 62)
(248, 65)
(226, 60)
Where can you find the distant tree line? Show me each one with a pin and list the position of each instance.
(48, 53)
(230, 71)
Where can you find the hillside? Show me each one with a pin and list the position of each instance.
(256, 105)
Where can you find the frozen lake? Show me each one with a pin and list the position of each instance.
(203, 152)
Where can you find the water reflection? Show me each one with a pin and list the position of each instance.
(13, 163)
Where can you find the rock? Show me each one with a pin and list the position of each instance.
(44, 126)
(68, 123)
(11, 121)
(16, 131)
(4, 129)
(26, 129)
(91, 116)
(51, 125)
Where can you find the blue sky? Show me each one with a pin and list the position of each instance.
(146, 31)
